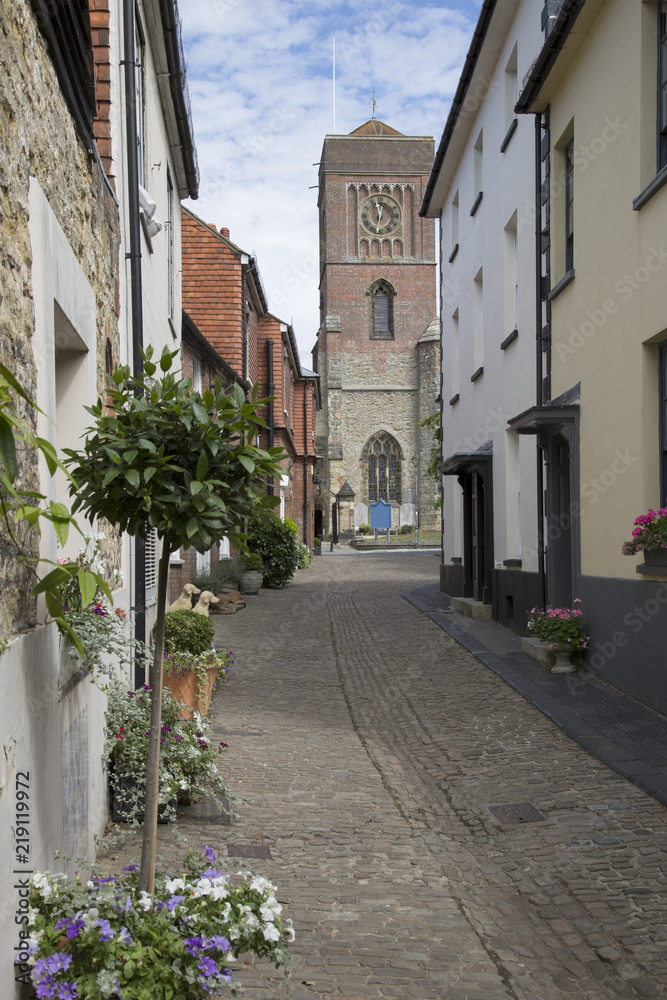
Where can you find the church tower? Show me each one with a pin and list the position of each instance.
(378, 345)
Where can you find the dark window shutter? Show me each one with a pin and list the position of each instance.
(381, 324)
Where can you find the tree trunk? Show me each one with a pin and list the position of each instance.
(148, 847)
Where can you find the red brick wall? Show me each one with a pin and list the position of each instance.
(99, 24)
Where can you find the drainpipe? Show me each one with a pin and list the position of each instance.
(541, 561)
(134, 257)
(306, 386)
(244, 324)
(271, 388)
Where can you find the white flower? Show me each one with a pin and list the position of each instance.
(289, 928)
(259, 884)
(90, 918)
(270, 932)
(172, 884)
(232, 932)
(144, 901)
(270, 909)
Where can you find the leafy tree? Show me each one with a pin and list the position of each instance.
(432, 422)
(23, 511)
(181, 463)
(276, 543)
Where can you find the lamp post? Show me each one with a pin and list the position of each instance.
(415, 462)
(345, 493)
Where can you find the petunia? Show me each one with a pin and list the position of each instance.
(209, 854)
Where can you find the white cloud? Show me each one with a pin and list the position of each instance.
(259, 73)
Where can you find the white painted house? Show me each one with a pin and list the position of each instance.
(482, 188)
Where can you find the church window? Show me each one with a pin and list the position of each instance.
(382, 311)
(383, 465)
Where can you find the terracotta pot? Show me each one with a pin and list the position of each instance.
(185, 688)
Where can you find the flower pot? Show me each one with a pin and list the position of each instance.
(251, 581)
(563, 652)
(185, 688)
(655, 557)
(128, 803)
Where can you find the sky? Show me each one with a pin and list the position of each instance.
(260, 79)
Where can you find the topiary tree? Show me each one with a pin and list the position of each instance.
(276, 543)
(168, 459)
(187, 632)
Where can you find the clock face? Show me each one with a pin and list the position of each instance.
(380, 214)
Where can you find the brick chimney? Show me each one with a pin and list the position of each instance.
(224, 232)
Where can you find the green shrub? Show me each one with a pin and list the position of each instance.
(289, 523)
(317, 542)
(228, 571)
(406, 529)
(187, 632)
(304, 556)
(277, 545)
(253, 562)
(364, 529)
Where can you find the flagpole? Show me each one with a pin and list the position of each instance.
(334, 85)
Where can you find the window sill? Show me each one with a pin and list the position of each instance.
(477, 374)
(454, 399)
(510, 132)
(559, 286)
(512, 563)
(176, 562)
(509, 340)
(453, 254)
(658, 181)
(477, 202)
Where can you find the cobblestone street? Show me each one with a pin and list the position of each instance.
(373, 747)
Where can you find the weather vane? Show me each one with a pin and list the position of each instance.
(374, 102)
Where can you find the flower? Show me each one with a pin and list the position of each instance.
(649, 533)
(209, 854)
(559, 625)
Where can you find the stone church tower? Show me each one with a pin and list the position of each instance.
(378, 345)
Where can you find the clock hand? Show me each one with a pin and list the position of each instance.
(379, 208)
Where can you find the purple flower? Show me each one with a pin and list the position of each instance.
(209, 854)
(218, 941)
(211, 873)
(208, 966)
(193, 945)
(125, 937)
(131, 868)
(106, 931)
(172, 903)
(67, 991)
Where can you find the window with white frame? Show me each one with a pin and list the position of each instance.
(455, 354)
(511, 276)
(511, 88)
(478, 321)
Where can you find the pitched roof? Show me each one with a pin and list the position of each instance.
(375, 127)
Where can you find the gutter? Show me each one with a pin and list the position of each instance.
(173, 43)
(481, 29)
(271, 389)
(552, 48)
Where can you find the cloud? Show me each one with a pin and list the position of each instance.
(259, 73)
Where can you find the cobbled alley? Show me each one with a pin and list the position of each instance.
(372, 748)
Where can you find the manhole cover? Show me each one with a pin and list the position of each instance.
(207, 811)
(248, 851)
(517, 812)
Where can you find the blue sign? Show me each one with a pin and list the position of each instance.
(381, 517)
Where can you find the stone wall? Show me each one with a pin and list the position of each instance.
(38, 139)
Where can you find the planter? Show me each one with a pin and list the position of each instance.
(656, 557)
(251, 581)
(563, 664)
(128, 804)
(185, 688)
(317, 550)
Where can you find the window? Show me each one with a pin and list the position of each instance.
(478, 153)
(382, 459)
(662, 383)
(455, 226)
(511, 88)
(569, 206)
(150, 564)
(511, 276)
(455, 354)
(382, 311)
(662, 84)
(478, 322)
(196, 375)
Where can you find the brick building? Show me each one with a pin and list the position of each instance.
(224, 298)
(377, 349)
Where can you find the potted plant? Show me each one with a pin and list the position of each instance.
(650, 537)
(317, 546)
(191, 664)
(107, 937)
(252, 576)
(187, 757)
(563, 630)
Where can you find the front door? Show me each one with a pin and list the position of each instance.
(559, 534)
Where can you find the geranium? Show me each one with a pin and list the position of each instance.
(649, 533)
(560, 626)
(149, 948)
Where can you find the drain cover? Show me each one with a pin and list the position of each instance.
(517, 812)
(248, 851)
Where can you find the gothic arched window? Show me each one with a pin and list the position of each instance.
(382, 467)
(382, 310)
